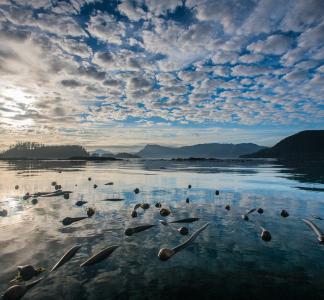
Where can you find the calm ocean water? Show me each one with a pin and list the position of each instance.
(227, 261)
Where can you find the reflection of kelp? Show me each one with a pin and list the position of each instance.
(304, 172)
(30, 165)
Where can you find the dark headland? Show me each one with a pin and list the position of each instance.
(306, 145)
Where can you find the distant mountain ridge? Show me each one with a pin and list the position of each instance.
(303, 146)
(211, 150)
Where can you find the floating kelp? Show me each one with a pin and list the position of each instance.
(3, 213)
(113, 199)
(80, 202)
(317, 231)
(132, 230)
(166, 253)
(260, 210)
(164, 212)
(16, 292)
(90, 212)
(68, 221)
(245, 216)
(187, 220)
(99, 256)
(183, 230)
(66, 257)
(27, 272)
(145, 205)
(284, 213)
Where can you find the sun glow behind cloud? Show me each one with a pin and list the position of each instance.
(136, 72)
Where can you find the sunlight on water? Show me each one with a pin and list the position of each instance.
(228, 257)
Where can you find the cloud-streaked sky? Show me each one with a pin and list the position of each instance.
(115, 74)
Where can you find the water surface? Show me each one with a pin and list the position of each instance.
(227, 261)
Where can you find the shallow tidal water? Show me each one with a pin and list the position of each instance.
(227, 261)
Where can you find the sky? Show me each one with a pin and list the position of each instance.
(121, 74)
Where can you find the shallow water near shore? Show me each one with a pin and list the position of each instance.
(227, 261)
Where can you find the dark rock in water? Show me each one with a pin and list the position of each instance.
(265, 235)
(109, 183)
(3, 213)
(90, 212)
(145, 205)
(54, 183)
(183, 230)
(134, 214)
(80, 203)
(260, 210)
(17, 187)
(66, 196)
(217, 192)
(89, 178)
(158, 205)
(136, 191)
(284, 213)
(95, 186)
(227, 207)
(187, 200)
(189, 186)
(34, 201)
(164, 212)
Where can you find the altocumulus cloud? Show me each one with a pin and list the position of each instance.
(75, 68)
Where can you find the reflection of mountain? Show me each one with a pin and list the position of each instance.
(200, 150)
(48, 165)
(310, 172)
(303, 146)
(38, 151)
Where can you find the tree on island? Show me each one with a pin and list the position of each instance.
(32, 150)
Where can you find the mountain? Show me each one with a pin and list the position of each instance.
(211, 150)
(126, 155)
(104, 153)
(30, 150)
(100, 152)
(303, 146)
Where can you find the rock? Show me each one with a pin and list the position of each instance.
(90, 212)
(136, 191)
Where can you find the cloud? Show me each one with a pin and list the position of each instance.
(275, 44)
(69, 66)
